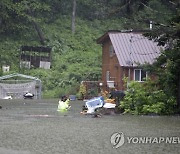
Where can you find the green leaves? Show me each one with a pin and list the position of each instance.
(77, 57)
(142, 98)
(15, 17)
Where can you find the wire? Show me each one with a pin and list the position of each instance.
(139, 39)
(154, 10)
(145, 53)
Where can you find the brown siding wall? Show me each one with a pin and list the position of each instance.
(111, 64)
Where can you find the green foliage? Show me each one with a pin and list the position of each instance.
(168, 63)
(82, 91)
(74, 57)
(154, 108)
(15, 16)
(144, 98)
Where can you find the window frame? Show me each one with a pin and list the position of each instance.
(107, 75)
(111, 50)
(140, 75)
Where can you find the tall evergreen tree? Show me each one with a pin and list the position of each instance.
(168, 64)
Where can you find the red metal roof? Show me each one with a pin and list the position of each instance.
(132, 48)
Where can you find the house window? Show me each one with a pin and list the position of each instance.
(107, 76)
(111, 51)
(140, 75)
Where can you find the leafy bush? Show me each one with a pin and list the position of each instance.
(145, 98)
(154, 108)
(82, 91)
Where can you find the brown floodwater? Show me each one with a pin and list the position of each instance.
(35, 127)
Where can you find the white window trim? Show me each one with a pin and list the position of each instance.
(107, 75)
(140, 75)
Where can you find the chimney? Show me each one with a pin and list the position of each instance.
(150, 25)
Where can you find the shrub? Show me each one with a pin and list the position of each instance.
(154, 108)
(135, 98)
(144, 98)
(82, 91)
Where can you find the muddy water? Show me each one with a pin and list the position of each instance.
(35, 127)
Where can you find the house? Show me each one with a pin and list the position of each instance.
(122, 52)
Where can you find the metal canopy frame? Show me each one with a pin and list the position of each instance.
(20, 75)
(38, 81)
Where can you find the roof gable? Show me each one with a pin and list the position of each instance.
(133, 48)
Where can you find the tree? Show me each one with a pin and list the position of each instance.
(35, 24)
(17, 14)
(168, 63)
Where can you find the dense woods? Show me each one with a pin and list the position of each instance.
(71, 29)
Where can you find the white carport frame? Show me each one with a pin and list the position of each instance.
(38, 81)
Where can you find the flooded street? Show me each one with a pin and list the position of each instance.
(35, 127)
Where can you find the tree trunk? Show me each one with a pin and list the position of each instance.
(37, 28)
(39, 31)
(73, 16)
